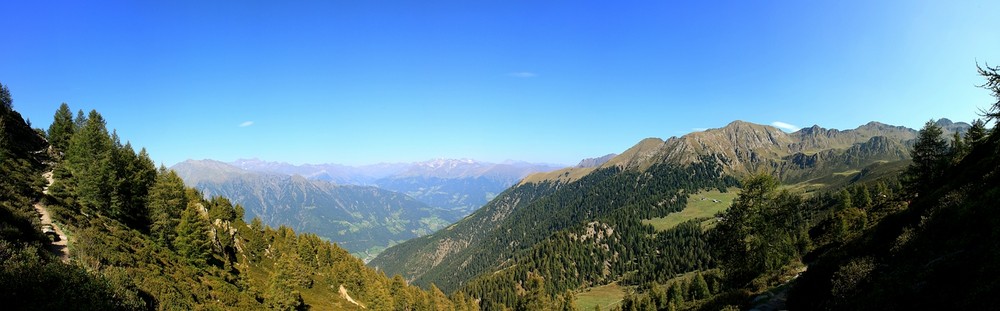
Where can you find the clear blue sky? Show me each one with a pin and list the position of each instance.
(360, 82)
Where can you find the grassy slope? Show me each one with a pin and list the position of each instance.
(700, 205)
(605, 296)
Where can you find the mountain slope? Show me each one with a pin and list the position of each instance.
(175, 251)
(359, 218)
(527, 223)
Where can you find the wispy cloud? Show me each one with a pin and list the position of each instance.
(247, 123)
(523, 74)
(785, 126)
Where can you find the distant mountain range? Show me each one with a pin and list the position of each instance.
(599, 192)
(363, 209)
(458, 184)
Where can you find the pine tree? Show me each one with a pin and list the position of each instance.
(930, 156)
(280, 293)
(255, 240)
(403, 300)
(976, 133)
(864, 197)
(88, 159)
(699, 288)
(992, 75)
(675, 295)
(759, 233)
(166, 202)
(535, 297)
(79, 121)
(62, 128)
(439, 301)
(846, 201)
(192, 241)
(5, 100)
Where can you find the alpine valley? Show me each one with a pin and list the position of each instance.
(369, 207)
(745, 216)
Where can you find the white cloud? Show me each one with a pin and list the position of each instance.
(247, 123)
(523, 74)
(785, 126)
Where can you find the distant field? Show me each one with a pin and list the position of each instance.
(605, 296)
(700, 205)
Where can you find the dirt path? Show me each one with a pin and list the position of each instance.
(343, 294)
(61, 247)
(776, 300)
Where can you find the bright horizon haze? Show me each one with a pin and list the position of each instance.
(539, 81)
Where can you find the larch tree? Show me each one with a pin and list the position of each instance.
(759, 233)
(976, 133)
(930, 157)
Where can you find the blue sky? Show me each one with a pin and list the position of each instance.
(360, 82)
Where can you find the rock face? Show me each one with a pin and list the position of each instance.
(595, 162)
(743, 148)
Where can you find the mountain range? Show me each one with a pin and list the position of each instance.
(459, 184)
(389, 203)
(547, 210)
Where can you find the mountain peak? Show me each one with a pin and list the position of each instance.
(943, 122)
(595, 162)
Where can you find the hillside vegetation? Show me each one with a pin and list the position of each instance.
(703, 205)
(916, 238)
(141, 240)
(802, 193)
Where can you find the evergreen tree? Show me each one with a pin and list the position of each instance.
(79, 121)
(959, 148)
(864, 197)
(930, 156)
(976, 133)
(675, 295)
(992, 75)
(256, 241)
(132, 176)
(846, 201)
(192, 240)
(397, 289)
(281, 293)
(166, 202)
(566, 301)
(699, 288)
(62, 128)
(759, 233)
(535, 297)
(439, 301)
(6, 102)
(88, 159)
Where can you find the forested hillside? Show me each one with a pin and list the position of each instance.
(583, 233)
(560, 233)
(140, 240)
(922, 238)
(583, 227)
